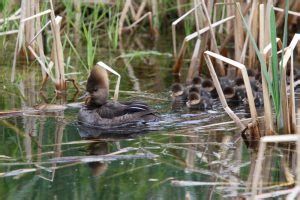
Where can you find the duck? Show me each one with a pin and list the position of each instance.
(208, 86)
(197, 80)
(199, 90)
(196, 102)
(231, 95)
(98, 111)
(178, 96)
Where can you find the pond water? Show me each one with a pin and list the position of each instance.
(48, 156)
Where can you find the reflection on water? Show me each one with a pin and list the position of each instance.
(48, 155)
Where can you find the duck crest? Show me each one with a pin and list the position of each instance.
(98, 87)
(98, 78)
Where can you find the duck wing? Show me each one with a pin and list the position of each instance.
(115, 109)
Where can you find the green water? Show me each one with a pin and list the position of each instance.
(184, 151)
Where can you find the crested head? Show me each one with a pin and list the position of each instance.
(98, 77)
(208, 85)
(98, 86)
(239, 81)
(177, 89)
(251, 72)
(194, 98)
(197, 80)
(194, 89)
(229, 92)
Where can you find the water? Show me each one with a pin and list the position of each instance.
(48, 156)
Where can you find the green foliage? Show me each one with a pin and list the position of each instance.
(91, 46)
(273, 81)
(274, 66)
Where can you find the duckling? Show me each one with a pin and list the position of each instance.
(208, 86)
(259, 98)
(196, 102)
(230, 95)
(255, 85)
(178, 95)
(198, 90)
(98, 111)
(251, 73)
(225, 82)
(197, 80)
(178, 92)
(240, 93)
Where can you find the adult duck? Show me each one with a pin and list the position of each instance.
(98, 111)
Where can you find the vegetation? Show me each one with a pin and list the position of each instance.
(63, 40)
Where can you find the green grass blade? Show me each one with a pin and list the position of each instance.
(258, 53)
(76, 53)
(275, 74)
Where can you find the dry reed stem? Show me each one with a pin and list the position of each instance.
(294, 193)
(238, 36)
(57, 52)
(36, 16)
(269, 128)
(231, 33)
(298, 150)
(254, 127)
(57, 19)
(103, 65)
(197, 16)
(132, 11)
(124, 15)
(178, 63)
(179, 7)
(43, 66)
(174, 28)
(9, 32)
(11, 18)
(140, 10)
(194, 62)
(214, 77)
(262, 147)
(274, 194)
(246, 43)
(297, 14)
(148, 14)
(220, 66)
(292, 114)
(40, 44)
(254, 30)
(292, 109)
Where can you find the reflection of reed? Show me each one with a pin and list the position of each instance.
(27, 89)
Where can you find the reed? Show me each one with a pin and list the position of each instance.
(253, 126)
(178, 63)
(108, 68)
(275, 79)
(91, 45)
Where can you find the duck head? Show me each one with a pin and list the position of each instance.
(229, 92)
(197, 81)
(239, 82)
(194, 98)
(251, 74)
(177, 90)
(194, 89)
(208, 85)
(98, 86)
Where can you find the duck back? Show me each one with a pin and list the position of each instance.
(115, 114)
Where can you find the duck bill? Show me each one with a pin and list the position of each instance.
(188, 104)
(84, 96)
